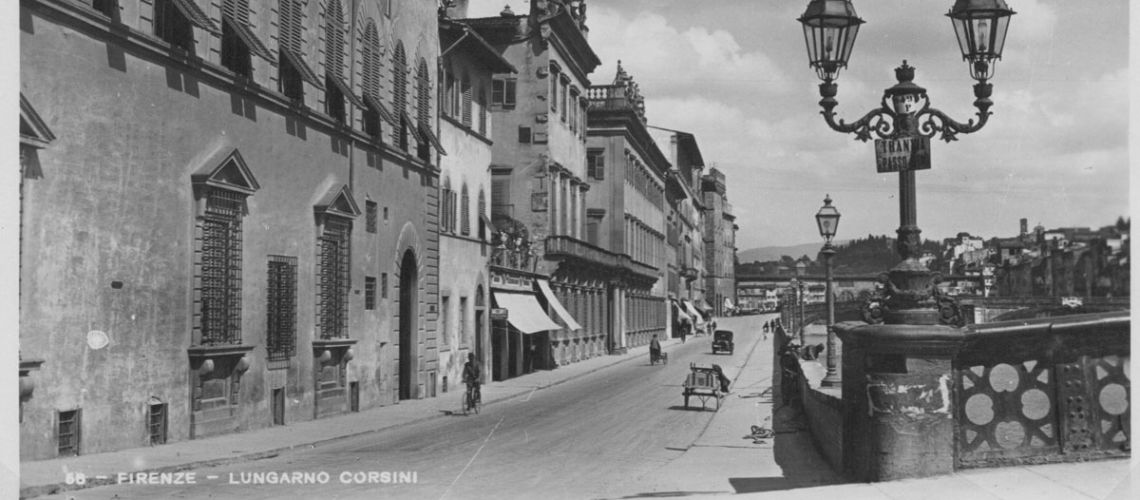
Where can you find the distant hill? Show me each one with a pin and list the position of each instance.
(765, 254)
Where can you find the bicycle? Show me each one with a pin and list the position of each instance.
(473, 399)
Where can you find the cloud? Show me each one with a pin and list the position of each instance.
(667, 60)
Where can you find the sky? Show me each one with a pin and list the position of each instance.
(735, 74)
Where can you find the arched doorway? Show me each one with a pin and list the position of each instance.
(409, 300)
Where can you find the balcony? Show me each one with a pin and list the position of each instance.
(568, 247)
(616, 98)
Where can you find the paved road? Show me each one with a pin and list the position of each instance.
(580, 439)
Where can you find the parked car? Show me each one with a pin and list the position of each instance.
(722, 341)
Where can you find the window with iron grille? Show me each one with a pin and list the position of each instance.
(369, 293)
(220, 268)
(371, 214)
(524, 135)
(172, 26)
(67, 435)
(463, 333)
(383, 285)
(445, 319)
(281, 339)
(332, 305)
(156, 423)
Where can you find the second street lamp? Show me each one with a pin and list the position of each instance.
(828, 220)
(903, 125)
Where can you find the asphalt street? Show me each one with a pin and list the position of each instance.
(585, 438)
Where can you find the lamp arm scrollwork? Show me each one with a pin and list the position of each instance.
(932, 121)
(880, 122)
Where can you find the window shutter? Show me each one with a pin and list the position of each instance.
(465, 212)
(423, 99)
(334, 39)
(290, 29)
(399, 88)
(466, 101)
(482, 102)
(371, 56)
(498, 88)
(509, 92)
(501, 196)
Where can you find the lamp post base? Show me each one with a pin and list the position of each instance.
(910, 296)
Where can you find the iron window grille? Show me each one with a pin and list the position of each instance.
(332, 306)
(369, 293)
(220, 270)
(371, 214)
(68, 433)
(383, 285)
(156, 423)
(281, 338)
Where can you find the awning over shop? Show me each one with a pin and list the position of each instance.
(704, 306)
(558, 309)
(524, 312)
(697, 316)
(727, 304)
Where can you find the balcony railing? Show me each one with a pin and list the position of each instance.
(568, 246)
(615, 98)
(514, 258)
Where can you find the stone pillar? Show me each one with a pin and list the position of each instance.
(898, 399)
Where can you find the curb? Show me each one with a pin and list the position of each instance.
(52, 489)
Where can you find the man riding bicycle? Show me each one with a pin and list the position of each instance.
(471, 375)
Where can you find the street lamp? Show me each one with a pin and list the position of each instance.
(903, 125)
(828, 221)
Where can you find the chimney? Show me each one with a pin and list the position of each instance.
(1024, 226)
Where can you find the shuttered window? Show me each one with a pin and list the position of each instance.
(400, 94)
(465, 212)
(482, 105)
(466, 101)
(370, 78)
(501, 196)
(335, 88)
(423, 93)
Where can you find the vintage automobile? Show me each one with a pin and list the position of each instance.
(722, 341)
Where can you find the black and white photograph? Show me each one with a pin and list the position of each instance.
(569, 249)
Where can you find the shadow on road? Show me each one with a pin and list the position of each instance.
(691, 408)
(795, 452)
(672, 494)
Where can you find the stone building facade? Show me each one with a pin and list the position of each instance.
(467, 64)
(538, 186)
(684, 222)
(625, 210)
(233, 222)
(720, 243)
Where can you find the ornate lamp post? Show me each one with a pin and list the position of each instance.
(904, 125)
(828, 221)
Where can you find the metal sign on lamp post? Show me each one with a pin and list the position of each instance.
(904, 124)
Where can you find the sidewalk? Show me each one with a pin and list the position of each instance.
(50, 476)
(788, 466)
